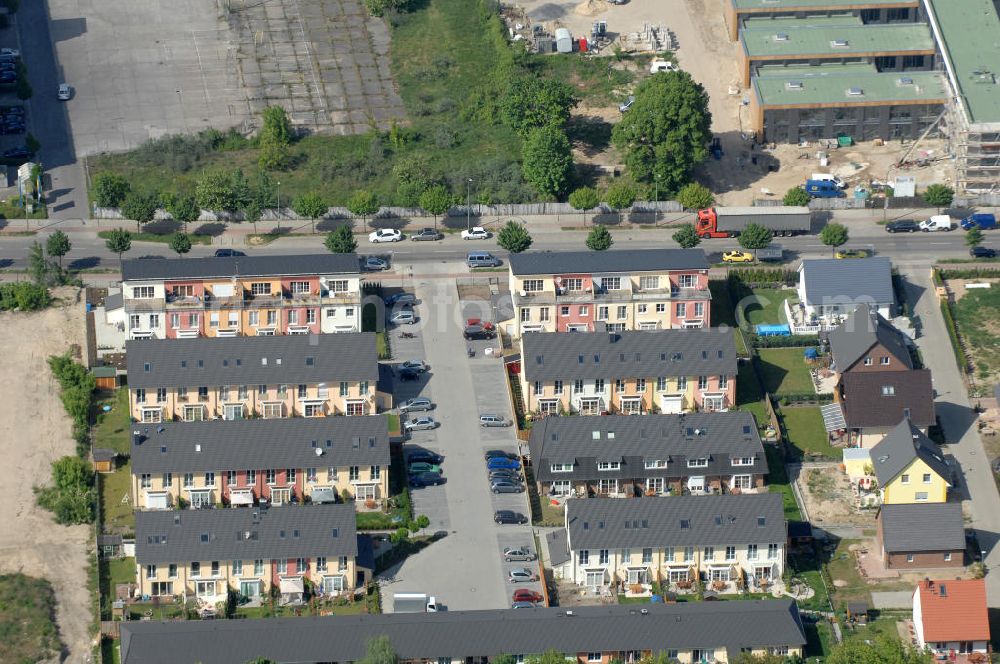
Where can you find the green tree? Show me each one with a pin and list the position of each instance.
(276, 125)
(514, 237)
(599, 238)
(311, 206)
(973, 238)
(71, 498)
(110, 189)
(380, 651)
(183, 209)
(687, 237)
(503, 658)
(436, 200)
(58, 245)
(399, 536)
(547, 160)
(796, 196)
(755, 237)
(119, 241)
(140, 207)
(884, 649)
(272, 155)
(694, 196)
(39, 267)
(748, 658)
(665, 133)
(547, 657)
(939, 195)
(180, 243)
(363, 203)
(620, 195)
(341, 240)
(220, 191)
(583, 199)
(834, 235)
(530, 102)
(253, 212)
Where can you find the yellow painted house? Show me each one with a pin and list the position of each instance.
(910, 468)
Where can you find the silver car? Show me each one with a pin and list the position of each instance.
(423, 423)
(493, 421)
(404, 317)
(375, 264)
(503, 486)
(414, 365)
(512, 553)
(521, 574)
(416, 404)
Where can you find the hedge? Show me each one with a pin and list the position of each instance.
(956, 345)
(970, 273)
(789, 341)
(772, 276)
(796, 397)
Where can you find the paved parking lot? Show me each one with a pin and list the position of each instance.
(458, 570)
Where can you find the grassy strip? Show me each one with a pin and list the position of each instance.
(784, 371)
(777, 481)
(14, 212)
(158, 237)
(956, 345)
(27, 625)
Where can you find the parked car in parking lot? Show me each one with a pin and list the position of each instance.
(409, 374)
(375, 264)
(493, 454)
(415, 404)
(503, 486)
(479, 332)
(10, 52)
(497, 463)
(523, 605)
(405, 317)
(417, 467)
(64, 92)
(414, 365)
(493, 421)
(426, 456)
(14, 153)
(401, 299)
(426, 479)
(422, 423)
(518, 553)
(509, 516)
(983, 252)
(526, 595)
(505, 476)
(902, 226)
(425, 234)
(385, 235)
(475, 233)
(521, 574)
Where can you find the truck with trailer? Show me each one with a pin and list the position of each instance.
(783, 220)
(413, 603)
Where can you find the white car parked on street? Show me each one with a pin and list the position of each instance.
(385, 235)
(475, 233)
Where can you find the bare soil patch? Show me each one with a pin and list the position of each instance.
(828, 498)
(34, 431)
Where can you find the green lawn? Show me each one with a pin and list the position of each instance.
(784, 371)
(112, 429)
(805, 433)
(723, 313)
(12, 212)
(392, 421)
(113, 572)
(28, 631)
(196, 238)
(977, 316)
(116, 513)
(777, 482)
(764, 305)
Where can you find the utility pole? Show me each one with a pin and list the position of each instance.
(468, 204)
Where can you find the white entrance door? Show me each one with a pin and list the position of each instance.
(671, 403)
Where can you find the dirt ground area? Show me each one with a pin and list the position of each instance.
(34, 431)
(826, 492)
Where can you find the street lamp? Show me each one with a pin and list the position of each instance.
(468, 204)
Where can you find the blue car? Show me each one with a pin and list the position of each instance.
(496, 463)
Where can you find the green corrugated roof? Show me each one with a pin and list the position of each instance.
(970, 30)
(829, 85)
(810, 38)
(783, 5)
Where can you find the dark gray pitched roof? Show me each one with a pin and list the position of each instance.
(859, 279)
(457, 634)
(583, 441)
(218, 445)
(625, 260)
(922, 527)
(608, 523)
(866, 404)
(293, 531)
(901, 447)
(114, 301)
(557, 545)
(239, 266)
(294, 358)
(588, 355)
(863, 329)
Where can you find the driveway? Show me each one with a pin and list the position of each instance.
(465, 569)
(958, 422)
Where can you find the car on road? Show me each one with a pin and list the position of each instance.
(626, 105)
(409, 374)
(509, 516)
(521, 574)
(498, 463)
(512, 553)
(14, 153)
(737, 257)
(385, 235)
(662, 65)
(228, 253)
(417, 467)
(479, 332)
(983, 252)
(489, 420)
(902, 226)
(500, 454)
(405, 317)
(425, 235)
(416, 404)
(64, 92)
(402, 299)
(426, 479)
(526, 595)
(476, 233)
(426, 456)
(523, 605)
(414, 365)
(503, 486)
(422, 423)
(852, 253)
(938, 222)
(374, 264)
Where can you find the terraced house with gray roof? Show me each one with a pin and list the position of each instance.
(729, 543)
(276, 462)
(654, 455)
(207, 553)
(269, 377)
(686, 632)
(667, 371)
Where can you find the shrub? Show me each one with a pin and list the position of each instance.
(110, 189)
(790, 341)
(956, 343)
(23, 296)
(72, 497)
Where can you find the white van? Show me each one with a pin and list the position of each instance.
(829, 177)
(939, 222)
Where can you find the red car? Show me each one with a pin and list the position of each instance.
(526, 595)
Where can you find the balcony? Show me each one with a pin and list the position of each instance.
(295, 299)
(690, 294)
(223, 302)
(185, 301)
(341, 297)
(146, 304)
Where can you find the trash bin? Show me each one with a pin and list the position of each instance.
(844, 141)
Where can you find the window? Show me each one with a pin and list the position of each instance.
(697, 462)
(299, 286)
(188, 480)
(564, 311)
(293, 317)
(300, 565)
(577, 386)
(262, 390)
(751, 552)
(682, 383)
(338, 286)
(310, 316)
(195, 570)
(303, 391)
(584, 311)
(649, 282)
(575, 284)
(311, 475)
(543, 314)
(905, 478)
(242, 392)
(251, 477)
(742, 461)
(258, 567)
(609, 465)
(920, 496)
(559, 387)
(146, 480)
(175, 321)
(133, 322)
(654, 463)
(602, 313)
(772, 551)
(154, 320)
(593, 656)
(583, 557)
(888, 390)
(290, 475)
(561, 468)
(538, 387)
(237, 568)
(260, 288)
(909, 557)
(708, 553)
(611, 283)
(161, 395)
(209, 479)
(619, 385)
(272, 318)
(730, 553)
(599, 386)
(602, 557)
(215, 568)
(320, 563)
(172, 571)
(622, 312)
(270, 475)
(168, 479)
(680, 309)
(143, 292)
(151, 571)
(723, 382)
(282, 566)
(532, 285)
(202, 394)
(687, 281)
(661, 384)
(647, 555)
(884, 360)
(699, 309)
(253, 318)
(661, 308)
(230, 478)
(688, 553)
(947, 557)
(375, 472)
(640, 385)
(352, 473)
(702, 382)
(525, 315)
